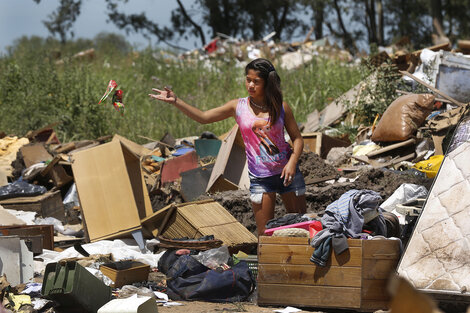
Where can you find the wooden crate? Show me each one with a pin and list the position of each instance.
(355, 279)
(48, 204)
(321, 144)
(136, 273)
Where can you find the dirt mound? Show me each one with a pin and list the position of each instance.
(382, 181)
(312, 166)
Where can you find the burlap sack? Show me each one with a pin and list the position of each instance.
(403, 117)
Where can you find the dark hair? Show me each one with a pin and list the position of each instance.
(272, 85)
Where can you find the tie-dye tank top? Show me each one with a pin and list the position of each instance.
(267, 151)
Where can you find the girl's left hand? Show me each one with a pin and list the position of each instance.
(288, 173)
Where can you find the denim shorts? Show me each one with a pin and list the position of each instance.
(261, 185)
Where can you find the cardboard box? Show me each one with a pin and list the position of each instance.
(111, 189)
(355, 279)
(235, 176)
(136, 273)
(48, 204)
(321, 144)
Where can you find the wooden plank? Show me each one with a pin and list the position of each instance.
(309, 296)
(381, 249)
(283, 240)
(391, 147)
(374, 289)
(300, 254)
(374, 305)
(312, 181)
(378, 269)
(309, 275)
(299, 241)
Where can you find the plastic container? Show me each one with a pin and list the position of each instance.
(303, 225)
(74, 288)
(430, 166)
(314, 228)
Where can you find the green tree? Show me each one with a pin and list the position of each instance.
(60, 22)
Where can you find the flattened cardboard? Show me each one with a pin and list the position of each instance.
(7, 219)
(111, 189)
(3, 178)
(172, 168)
(231, 177)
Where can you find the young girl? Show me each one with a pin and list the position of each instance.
(262, 117)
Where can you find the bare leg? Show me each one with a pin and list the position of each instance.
(293, 203)
(264, 211)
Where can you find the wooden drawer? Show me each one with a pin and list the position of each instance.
(355, 279)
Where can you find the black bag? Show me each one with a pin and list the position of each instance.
(188, 279)
(21, 189)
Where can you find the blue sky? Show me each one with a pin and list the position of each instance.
(24, 18)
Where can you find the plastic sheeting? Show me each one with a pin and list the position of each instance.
(404, 193)
(124, 249)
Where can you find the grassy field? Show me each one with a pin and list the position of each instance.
(36, 91)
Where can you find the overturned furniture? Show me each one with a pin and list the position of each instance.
(111, 189)
(198, 219)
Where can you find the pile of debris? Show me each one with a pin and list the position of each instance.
(164, 219)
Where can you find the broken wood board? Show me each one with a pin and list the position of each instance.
(35, 153)
(336, 109)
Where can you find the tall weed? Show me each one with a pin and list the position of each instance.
(36, 91)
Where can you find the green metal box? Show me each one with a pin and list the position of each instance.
(74, 288)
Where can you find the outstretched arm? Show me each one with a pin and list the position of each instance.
(204, 117)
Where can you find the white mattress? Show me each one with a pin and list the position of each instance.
(437, 258)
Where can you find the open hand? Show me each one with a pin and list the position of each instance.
(166, 95)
